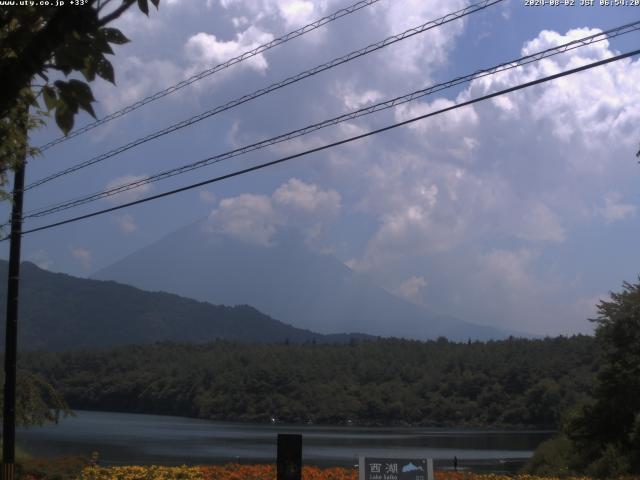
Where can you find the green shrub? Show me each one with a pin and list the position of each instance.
(551, 458)
(611, 464)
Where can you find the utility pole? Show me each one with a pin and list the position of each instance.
(11, 332)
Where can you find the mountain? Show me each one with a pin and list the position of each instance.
(59, 312)
(285, 280)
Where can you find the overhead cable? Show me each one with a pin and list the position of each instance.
(275, 86)
(337, 143)
(210, 71)
(384, 105)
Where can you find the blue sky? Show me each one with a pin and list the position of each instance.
(520, 212)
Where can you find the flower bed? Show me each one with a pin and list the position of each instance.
(265, 472)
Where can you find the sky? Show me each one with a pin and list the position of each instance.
(518, 212)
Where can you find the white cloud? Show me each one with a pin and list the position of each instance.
(240, 22)
(424, 207)
(614, 209)
(419, 54)
(354, 100)
(508, 268)
(294, 13)
(206, 196)
(83, 255)
(308, 198)
(459, 119)
(451, 134)
(539, 223)
(410, 288)
(297, 12)
(247, 217)
(548, 39)
(256, 219)
(205, 49)
(135, 79)
(509, 286)
(592, 108)
(420, 220)
(309, 208)
(524, 167)
(127, 223)
(127, 195)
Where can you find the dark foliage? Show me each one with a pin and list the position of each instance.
(37, 41)
(607, 431)
(59, 312)
(515, 382)
(37, 402)
(602, 437)
(62, 468)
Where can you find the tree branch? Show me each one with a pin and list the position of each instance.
(103, 4)
(116, 13)
(16, 74)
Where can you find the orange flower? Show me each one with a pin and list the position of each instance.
(263, 472)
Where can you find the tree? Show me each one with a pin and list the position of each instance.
(37, 401)
(36, 41)
(607, 431)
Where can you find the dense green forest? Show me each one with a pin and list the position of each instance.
(515, 382)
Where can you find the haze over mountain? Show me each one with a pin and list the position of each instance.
(59, 312)
(286, 280)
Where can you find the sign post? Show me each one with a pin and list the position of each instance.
(374, 468)
(289, 464)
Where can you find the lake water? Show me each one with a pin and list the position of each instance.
(122, 438)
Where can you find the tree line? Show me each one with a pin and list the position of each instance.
(515, 382)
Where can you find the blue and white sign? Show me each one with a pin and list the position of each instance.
(374, 468)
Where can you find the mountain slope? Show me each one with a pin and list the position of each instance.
(58, 312)
(285, 280)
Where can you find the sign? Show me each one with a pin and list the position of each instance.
(374, 468)
(289, 465)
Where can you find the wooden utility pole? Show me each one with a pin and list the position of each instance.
(11, 332)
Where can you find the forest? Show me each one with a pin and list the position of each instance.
(508, 383)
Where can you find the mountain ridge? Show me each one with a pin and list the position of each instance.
(58, 312)
(286, 280)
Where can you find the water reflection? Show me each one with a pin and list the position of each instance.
(122, 438)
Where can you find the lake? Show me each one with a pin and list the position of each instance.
(124, 438)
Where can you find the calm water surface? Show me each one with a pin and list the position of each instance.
(122, 438)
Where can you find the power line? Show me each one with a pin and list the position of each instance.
(275, 86)
(337, 143)
(535, 57)
(210, 71)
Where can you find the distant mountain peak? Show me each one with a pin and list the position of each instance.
(287, 280)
